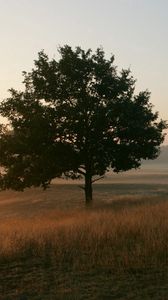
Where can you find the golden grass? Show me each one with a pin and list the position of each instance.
(51, 247)
(125, 239)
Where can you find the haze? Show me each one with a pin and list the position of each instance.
(134, 31)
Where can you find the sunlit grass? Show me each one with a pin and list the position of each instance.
(51, 247)
(124, 239)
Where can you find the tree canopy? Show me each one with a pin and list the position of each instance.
(77, 116)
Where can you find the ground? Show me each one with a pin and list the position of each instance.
(53, 248)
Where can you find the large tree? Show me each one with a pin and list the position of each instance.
(76, 117)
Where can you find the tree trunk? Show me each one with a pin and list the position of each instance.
(88, 189)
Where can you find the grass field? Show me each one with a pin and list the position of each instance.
(51, 247)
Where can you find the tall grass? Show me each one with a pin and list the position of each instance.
(127, 239)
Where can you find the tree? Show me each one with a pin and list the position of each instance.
(79, 117)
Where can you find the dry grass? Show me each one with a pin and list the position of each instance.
(116, 250)
(124, 239)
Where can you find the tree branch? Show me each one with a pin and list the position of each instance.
(81, 187)
(96, 179)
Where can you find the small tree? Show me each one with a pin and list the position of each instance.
(78, 117)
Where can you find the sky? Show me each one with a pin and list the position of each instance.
(135, 31)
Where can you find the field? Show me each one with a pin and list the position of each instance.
(52, 247)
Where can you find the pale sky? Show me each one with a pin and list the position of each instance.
(135, 31)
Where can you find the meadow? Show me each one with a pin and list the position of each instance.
(52, 247)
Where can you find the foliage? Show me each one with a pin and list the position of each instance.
(77, 116)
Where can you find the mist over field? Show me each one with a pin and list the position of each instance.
(159, 163)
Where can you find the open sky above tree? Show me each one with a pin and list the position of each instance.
(135, 31)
